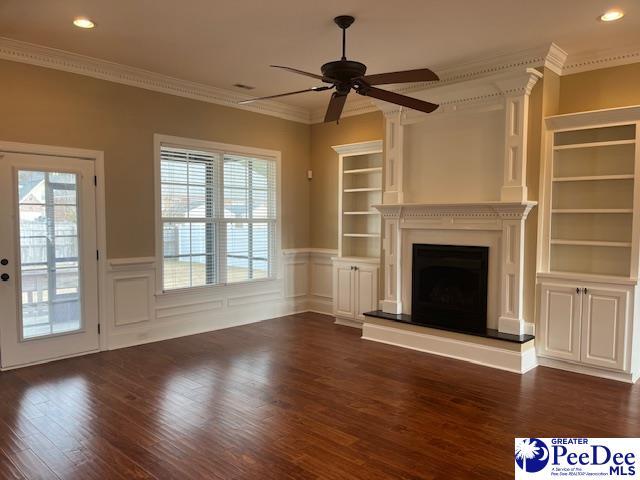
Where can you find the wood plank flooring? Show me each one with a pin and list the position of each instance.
(295, 397)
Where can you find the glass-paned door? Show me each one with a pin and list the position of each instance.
(48, 249)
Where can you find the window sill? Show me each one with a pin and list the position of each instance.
(218, 289)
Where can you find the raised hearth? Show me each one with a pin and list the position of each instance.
(486, 333)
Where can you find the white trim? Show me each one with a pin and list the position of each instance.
(42, 362)
(347, 322)
(360, 148)
(321, 251)
(485, 210)
(115, 263)
(306, 286)
(585, 370)
(489, 356)
(31, 54)
(549, 56)
(97, 157)
(598, 59)
(274, 155)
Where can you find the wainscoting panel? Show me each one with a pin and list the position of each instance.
(137, 315)
(321, 282)
(132, 298)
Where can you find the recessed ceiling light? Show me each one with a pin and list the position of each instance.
(612, 15)
(83, 22)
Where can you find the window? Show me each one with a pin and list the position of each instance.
(218, 216)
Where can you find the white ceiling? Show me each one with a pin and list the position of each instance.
(220, 43)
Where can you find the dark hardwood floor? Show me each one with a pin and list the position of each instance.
(295, 397)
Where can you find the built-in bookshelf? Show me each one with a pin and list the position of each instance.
(360, 187)
(591, 200)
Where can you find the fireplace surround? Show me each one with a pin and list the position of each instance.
(497, 225)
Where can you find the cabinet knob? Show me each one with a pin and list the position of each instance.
(577, 290)
(585, 290)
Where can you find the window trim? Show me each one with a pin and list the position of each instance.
(160, 140)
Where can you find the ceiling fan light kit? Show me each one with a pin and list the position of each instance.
(345, 75)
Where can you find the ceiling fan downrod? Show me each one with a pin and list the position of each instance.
(344, 22)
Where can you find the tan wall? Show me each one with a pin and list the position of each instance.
(324, 163)
(51, 107)
(597, 89)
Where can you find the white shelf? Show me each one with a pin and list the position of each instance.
(368, 189)
(587, 277)
(591, 178)
(591, 243)
(594, 144)
(592, 210)
(360, 186)
(363, 170)
(361, 235)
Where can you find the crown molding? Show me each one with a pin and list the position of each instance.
(597, 59)
(484, 93)
(550, 56)
(23, 52)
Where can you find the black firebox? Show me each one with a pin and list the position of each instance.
(449, 287)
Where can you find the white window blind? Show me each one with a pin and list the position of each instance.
(219, 217)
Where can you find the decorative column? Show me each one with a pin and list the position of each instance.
(514, 187)
(511, 318)
(393, 189)
(392, 246)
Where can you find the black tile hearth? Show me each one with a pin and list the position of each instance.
(487, 333)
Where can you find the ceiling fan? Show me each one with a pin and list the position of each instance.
(346, 75)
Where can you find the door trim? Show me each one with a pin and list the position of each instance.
(97, 157)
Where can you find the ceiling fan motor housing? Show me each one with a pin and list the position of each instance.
(344, 71)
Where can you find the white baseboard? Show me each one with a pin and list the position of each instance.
(583, 369)
(347, 322)
(320, 305)
(489, 356)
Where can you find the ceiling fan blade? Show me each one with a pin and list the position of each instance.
(312, 89)
(334, 110)
(398, 99)
(407, 76)
(302, 72)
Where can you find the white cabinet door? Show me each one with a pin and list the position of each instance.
(604, 327)
(560, 322)
(344, 290)
(366, 290)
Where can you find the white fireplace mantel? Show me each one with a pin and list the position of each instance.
(503, 221)
(485, 210)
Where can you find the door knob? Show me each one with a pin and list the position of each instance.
(4, 277)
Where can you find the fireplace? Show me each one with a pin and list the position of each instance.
(449, 287)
